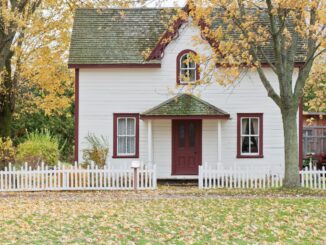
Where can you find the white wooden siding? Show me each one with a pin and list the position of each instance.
(209, 141)
(119, 90)
(162, 148)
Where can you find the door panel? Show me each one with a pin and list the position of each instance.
(186, 146)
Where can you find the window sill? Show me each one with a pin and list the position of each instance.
(249, 156)
(187, 83)
(117, 156)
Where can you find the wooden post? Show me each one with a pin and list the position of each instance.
(219, 142)
(150, 141)
(135, 165)
(135, 178)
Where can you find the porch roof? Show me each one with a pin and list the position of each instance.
(185, 106)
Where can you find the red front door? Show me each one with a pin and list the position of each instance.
(186, 146)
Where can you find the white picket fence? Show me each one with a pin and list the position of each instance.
(60, 177)
(253, 177)
(122, 177)
(313, 178)
(235, 177)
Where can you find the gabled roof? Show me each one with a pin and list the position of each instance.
(185, 105)
(115, 36)
(122, 36)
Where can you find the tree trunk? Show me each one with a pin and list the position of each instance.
(5, 121)
(6, 98)
(291, 178)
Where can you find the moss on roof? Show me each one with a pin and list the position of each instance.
(121, 36)
(262, 20)
(115, 36)
(185, 105)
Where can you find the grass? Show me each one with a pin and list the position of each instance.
(169, 215)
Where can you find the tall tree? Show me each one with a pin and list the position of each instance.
(286, 26)
(12, 25)
(34, 43)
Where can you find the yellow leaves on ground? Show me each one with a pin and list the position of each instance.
(163, 216)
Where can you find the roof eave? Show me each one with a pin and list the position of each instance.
(130, 65)
(188, 117)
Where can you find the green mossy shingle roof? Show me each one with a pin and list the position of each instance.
(115, 36)
(185, 105)
(121, 36)
(262, 20)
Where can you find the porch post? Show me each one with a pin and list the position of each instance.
(150, 141)
(219, 142)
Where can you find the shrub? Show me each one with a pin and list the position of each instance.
(38, 147)
(61, 125)
(98, 150)
(7, 152)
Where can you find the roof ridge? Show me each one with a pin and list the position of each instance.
(98, 30)
(163, 103)
(184, 95)
(133, 8)
(206, 103)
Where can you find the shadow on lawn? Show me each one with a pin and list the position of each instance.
(170, 192)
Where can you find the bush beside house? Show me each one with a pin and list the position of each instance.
(43, 146)
(39, 147)
(7, 152)
(97, 150)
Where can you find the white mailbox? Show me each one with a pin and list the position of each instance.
(135, 164)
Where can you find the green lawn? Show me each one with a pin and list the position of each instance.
(160, 217)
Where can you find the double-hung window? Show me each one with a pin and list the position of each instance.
(250, 135)
(126, 135)
(187, 68)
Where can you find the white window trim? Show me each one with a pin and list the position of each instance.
(186, 69)
(126, 135)
(250, 135)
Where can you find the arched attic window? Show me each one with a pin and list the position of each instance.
(187, 68)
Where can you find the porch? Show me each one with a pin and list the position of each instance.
(163, 147)
(183, 133)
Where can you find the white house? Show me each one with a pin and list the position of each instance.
(128, 99)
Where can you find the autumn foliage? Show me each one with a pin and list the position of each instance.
(283, 37)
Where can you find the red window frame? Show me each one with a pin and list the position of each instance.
(261, 127)
(178, 67)
(115, 135)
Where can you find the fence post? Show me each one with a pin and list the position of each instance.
(154, 177)
(64, 173)
(200, 177)
(135, 166)
(323, 176)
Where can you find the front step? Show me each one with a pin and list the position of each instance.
(185, 183)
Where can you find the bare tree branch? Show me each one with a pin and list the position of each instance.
(311, 50)
(267, 84)
(276, 40)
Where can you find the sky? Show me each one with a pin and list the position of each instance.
(167, 3)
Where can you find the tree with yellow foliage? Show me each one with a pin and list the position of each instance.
(315, 88)
(286, 26)
(34, 43)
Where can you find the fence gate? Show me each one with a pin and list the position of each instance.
(60, 177)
